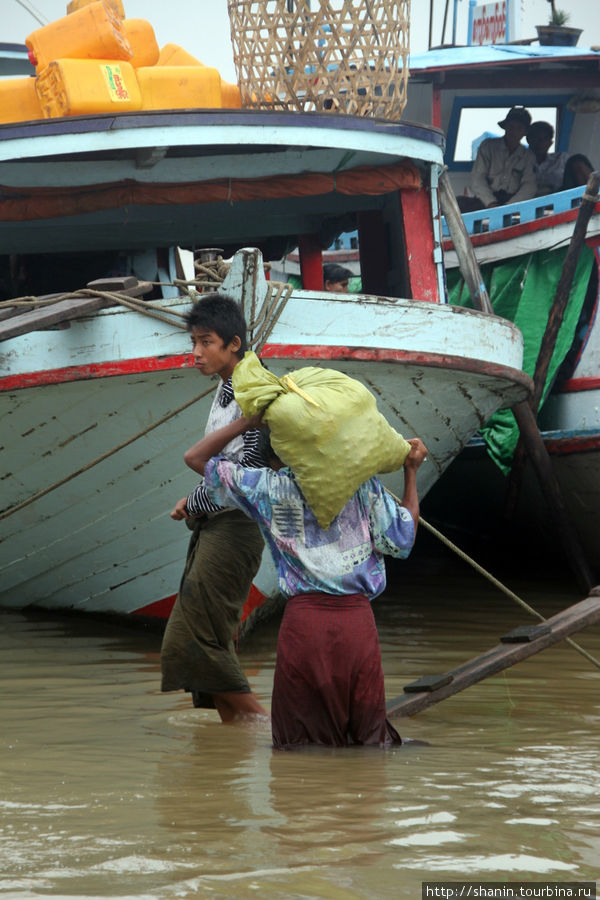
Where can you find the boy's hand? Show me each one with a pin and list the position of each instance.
(417, 455)
(180, 510)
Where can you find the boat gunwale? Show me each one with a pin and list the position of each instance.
(302, 352)
(110, 122)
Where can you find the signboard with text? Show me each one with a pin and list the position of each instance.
(490, 23)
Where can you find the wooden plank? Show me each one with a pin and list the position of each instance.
(467, 261)
(564, 623)
(8, 312)
(63, 310)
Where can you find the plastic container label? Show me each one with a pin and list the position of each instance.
(116, 83)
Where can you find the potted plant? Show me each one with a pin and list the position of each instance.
(556, 33)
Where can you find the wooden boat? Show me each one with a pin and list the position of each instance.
(561, 85)
(98, 410)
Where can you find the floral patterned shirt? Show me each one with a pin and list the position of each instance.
(345, 558)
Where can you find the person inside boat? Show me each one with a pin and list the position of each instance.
(328, 685)
(577, 171)
(198, 653)
(549, 167)
(336, 278)
(503, 169)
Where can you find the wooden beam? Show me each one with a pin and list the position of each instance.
(311, 262)
(419, 244)
(63, 310)
(488, 80)
(467, 261)
(505, 654)
(530, 441)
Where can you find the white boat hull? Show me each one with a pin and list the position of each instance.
(103, 540)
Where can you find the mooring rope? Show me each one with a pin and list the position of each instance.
(275, 300)
(13, 509)
(464, 556)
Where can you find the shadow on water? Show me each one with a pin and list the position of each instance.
(112, 789)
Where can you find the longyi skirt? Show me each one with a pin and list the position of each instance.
(198, 652)
(328, 686)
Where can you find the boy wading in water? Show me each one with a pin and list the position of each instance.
(198, 653)
(328, 686)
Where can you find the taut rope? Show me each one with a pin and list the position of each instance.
(272, 307)
(461, 553)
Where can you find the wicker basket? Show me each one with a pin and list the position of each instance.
(345, 56)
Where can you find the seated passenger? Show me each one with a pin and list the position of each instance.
(503, 168)
(577, 171)
(549, 167)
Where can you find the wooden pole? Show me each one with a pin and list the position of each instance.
(557, 311)
(445, 21)
(430, 23)
(531, 438)
(467, 261)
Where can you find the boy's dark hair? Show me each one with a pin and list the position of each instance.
(334, 272)
(536, 128)
(221, 314)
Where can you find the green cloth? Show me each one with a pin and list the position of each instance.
(522, 290)
(354, 283)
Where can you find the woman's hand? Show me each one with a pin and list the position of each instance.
(417, 455)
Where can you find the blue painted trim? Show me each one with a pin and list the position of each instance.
(485, 220)
(472, 4)
(478, 443)
(565, 119)
(565, 124)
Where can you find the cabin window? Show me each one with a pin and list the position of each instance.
(470, 123)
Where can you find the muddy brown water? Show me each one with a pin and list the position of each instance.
(109, 789)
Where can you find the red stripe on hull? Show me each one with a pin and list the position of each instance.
(565, 446)
(322, 352)
(407, 357)
(161, 609)
(96, 370)
(573, 385)
(255, 599)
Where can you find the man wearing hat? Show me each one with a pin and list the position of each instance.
(503, 170)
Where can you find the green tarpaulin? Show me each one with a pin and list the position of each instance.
(522, 290)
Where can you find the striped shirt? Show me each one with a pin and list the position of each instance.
(249, 456)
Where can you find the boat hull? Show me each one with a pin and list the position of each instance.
(83, 435)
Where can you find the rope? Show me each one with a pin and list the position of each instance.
(494, 581)
(273, 305)
(13, 509)
(147, 307)
(213, 270)
(280, 293)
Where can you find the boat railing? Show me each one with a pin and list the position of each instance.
(498, 217)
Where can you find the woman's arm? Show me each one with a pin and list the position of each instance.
(410, 498)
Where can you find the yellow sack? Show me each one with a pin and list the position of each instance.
(325, 426)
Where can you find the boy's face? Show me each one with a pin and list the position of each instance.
(211, 356)
(338, 287)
